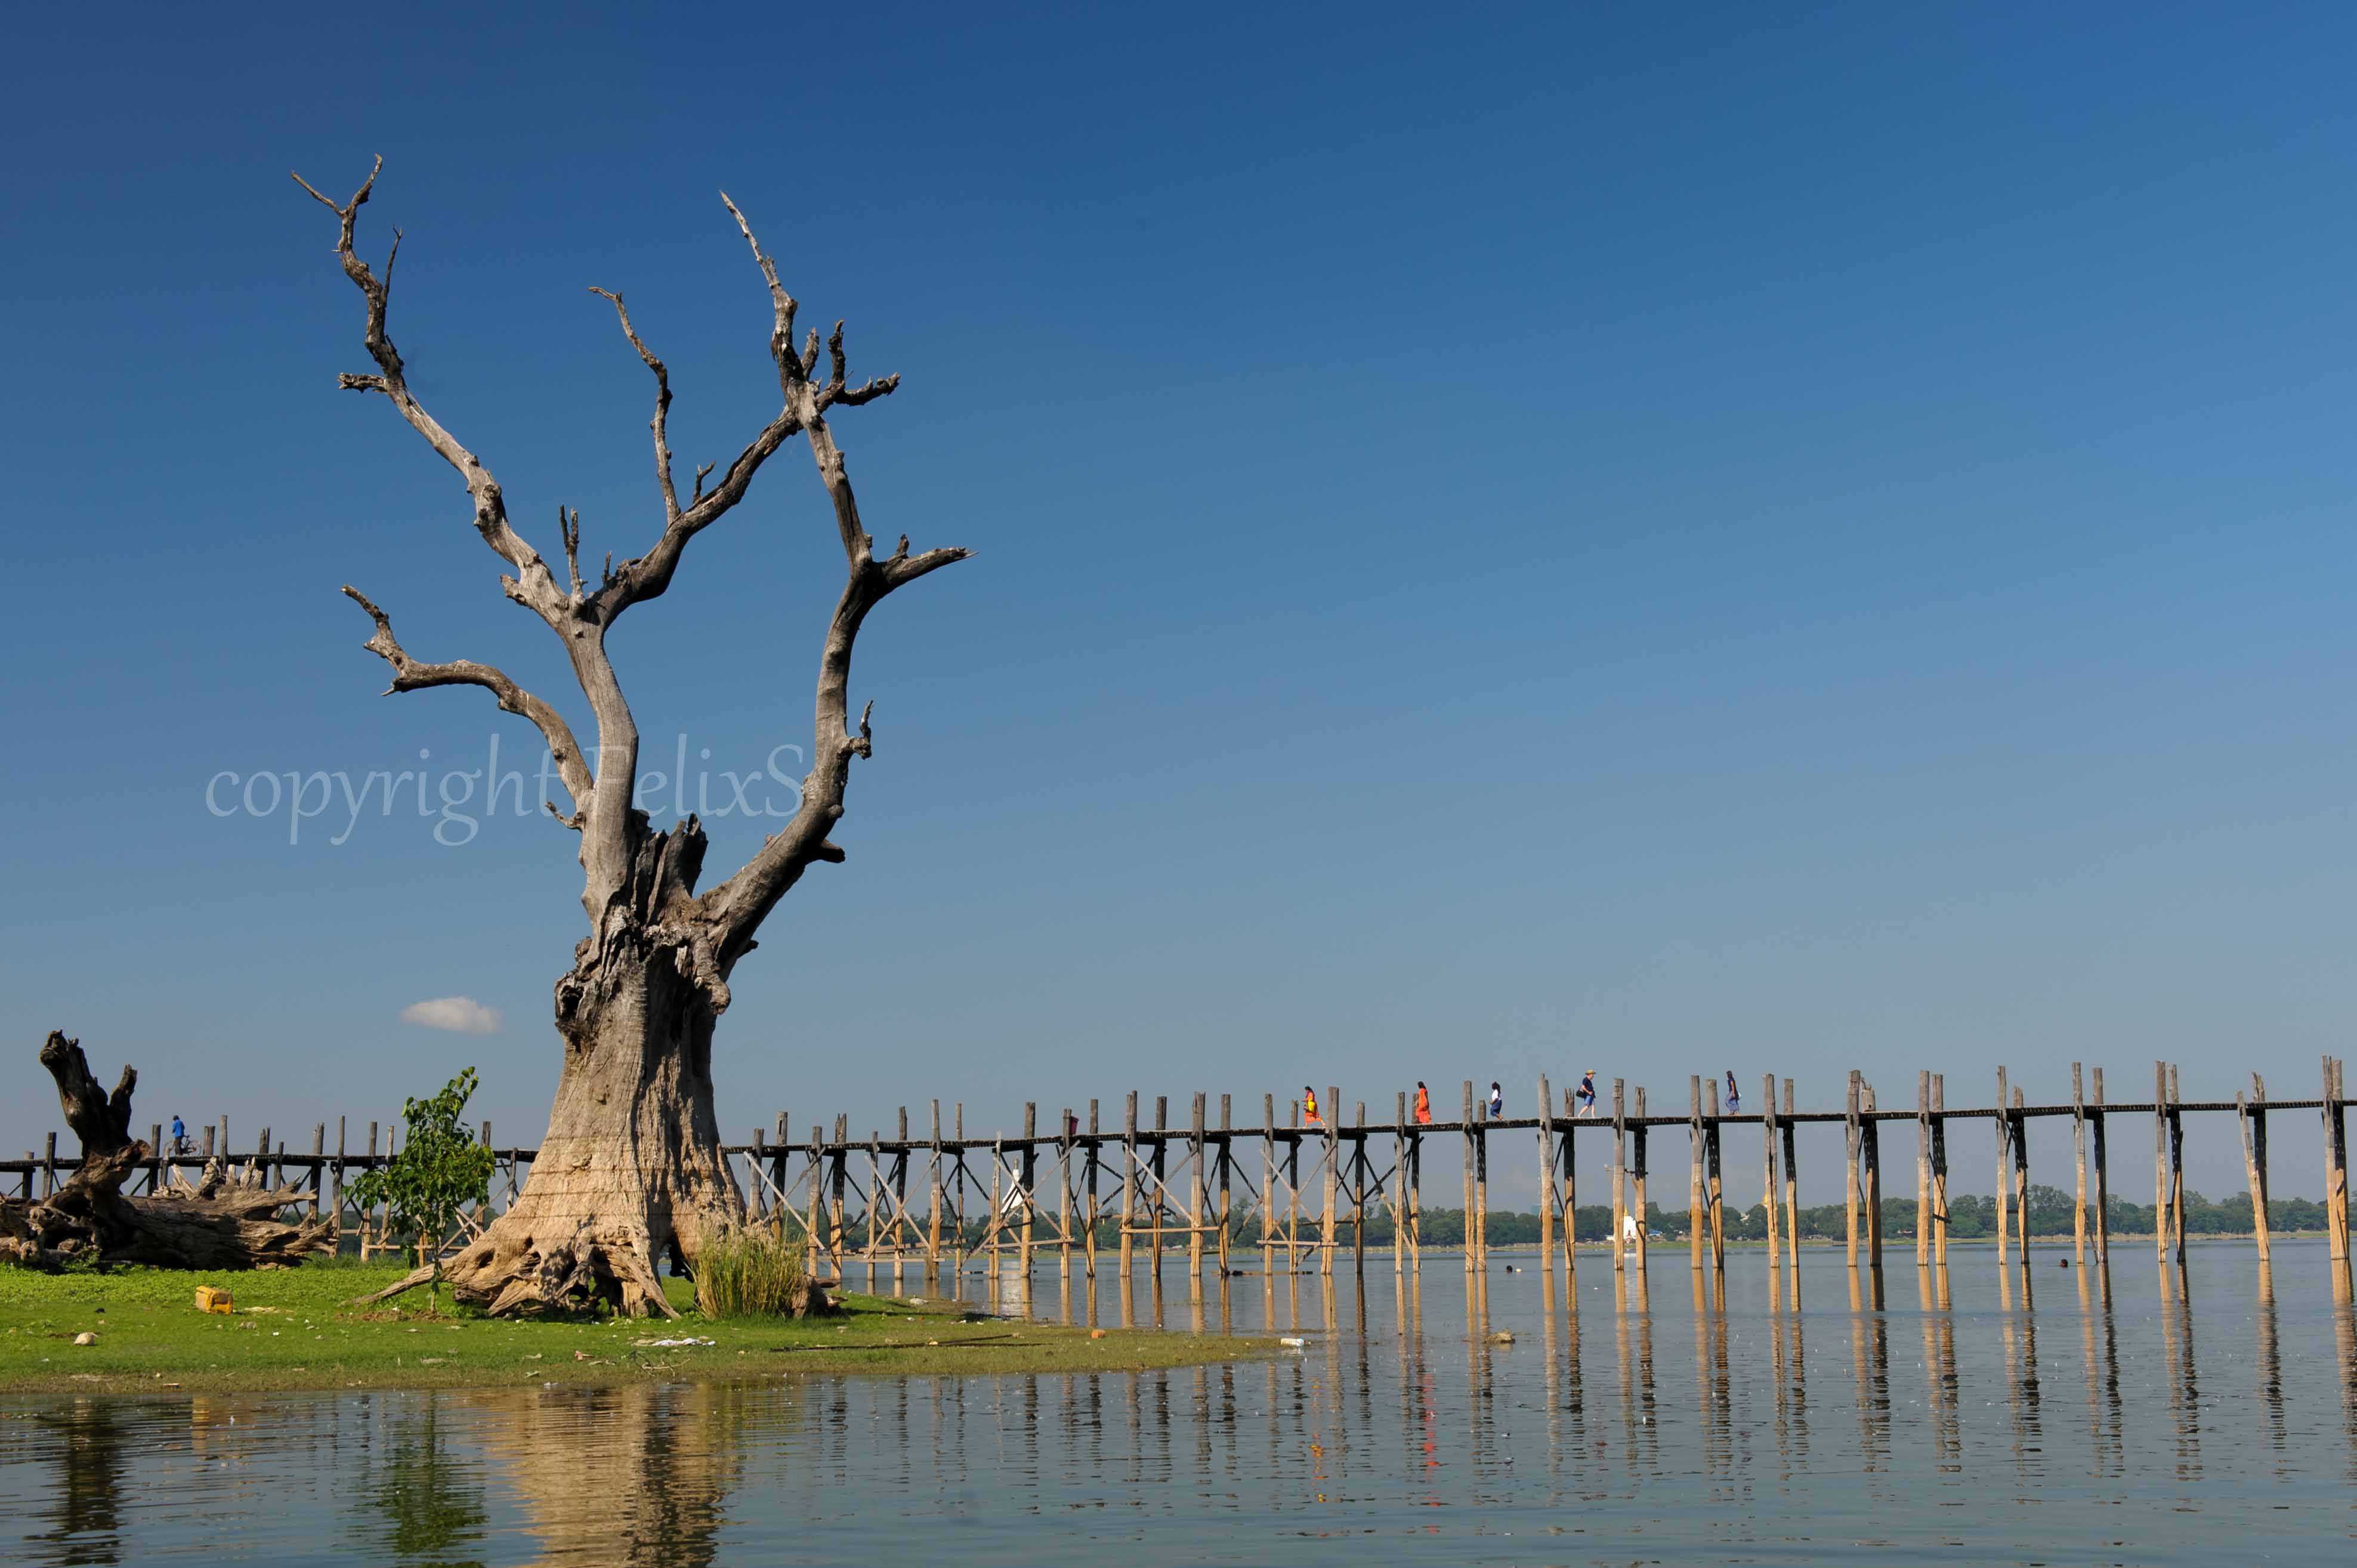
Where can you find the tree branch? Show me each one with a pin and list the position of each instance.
(781, 309)
(102, 1121)
(533, 586)
(739, 905)
(409, 675)
(832, 392)
(569, 529)
(662, 405)
(603, 814)
(647, 577)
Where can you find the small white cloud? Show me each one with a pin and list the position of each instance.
(459, 1014)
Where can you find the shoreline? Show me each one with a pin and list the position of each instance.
(296, 1329)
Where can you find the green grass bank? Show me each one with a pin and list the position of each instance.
(296, 1328)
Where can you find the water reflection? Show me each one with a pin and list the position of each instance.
(82, 1517)
(426, 1502)
(1681, 1432)
(636, 1475)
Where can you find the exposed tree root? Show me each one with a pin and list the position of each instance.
(511, 1270)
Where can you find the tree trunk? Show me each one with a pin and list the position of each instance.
(629, 1173)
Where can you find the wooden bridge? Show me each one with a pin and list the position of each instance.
(1300, 1191)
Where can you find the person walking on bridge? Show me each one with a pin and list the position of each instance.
(1497, 1101)
(1734, 1095)
(1587, 1095)
(1423, 1104)
(1309, 1107)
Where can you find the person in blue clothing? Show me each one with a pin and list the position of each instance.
(179, 1135)
(1587, 1095)
(1497, 1101)
(1734, 1095)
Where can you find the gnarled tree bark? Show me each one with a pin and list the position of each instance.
(631, 1170)
(221, 1223)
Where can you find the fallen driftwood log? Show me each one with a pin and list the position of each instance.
(220, 1223)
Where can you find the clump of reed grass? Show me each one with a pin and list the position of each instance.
(747, 1274)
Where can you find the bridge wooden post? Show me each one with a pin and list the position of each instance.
(1698, 1222)
(957, 1191)
(2098, 1151)
(1128, 1180)
(1333, 1178)
(1546, 1176)
(336, 1191)
(1619, 1176)
(2005, 1171)
(933, 1201)
(1415, 1197)
(1571, 1199)
(780, 1209)
(1792, 1196)
(1293, 1191)
(2254, 1120)
(1029, 1208)
(2336, 1168)
(997, 1222)
(838, 1176)
(1227, 1173)
(757, 1200)
(1399, 1186)
(361, 1219)
(1067, 1192)
(1359, 1170)
(2176, 1210)
(1922, 1168)
(2021, 1176)
(902, 1227)
(1636, 1201)
(2160, 1161)
(1197, 1200)
(1268, 1184)
(318, 1162)
(1768, 1177)
(2079, 1153)
(1472, 1228)
(1871, 1176)
(1482, 1178)
(2176, 1162)
(1161, 1177)
(817, 1174)
(1091, 1165)
(1849, 1176)
(875, 1202)
(1940, 1170)
(1713, 1187)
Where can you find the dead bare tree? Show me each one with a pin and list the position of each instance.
(222, 1222)
(631, 1167)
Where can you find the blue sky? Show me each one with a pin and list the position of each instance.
(1576, 537)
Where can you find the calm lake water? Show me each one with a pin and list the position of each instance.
(2211, 1423)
